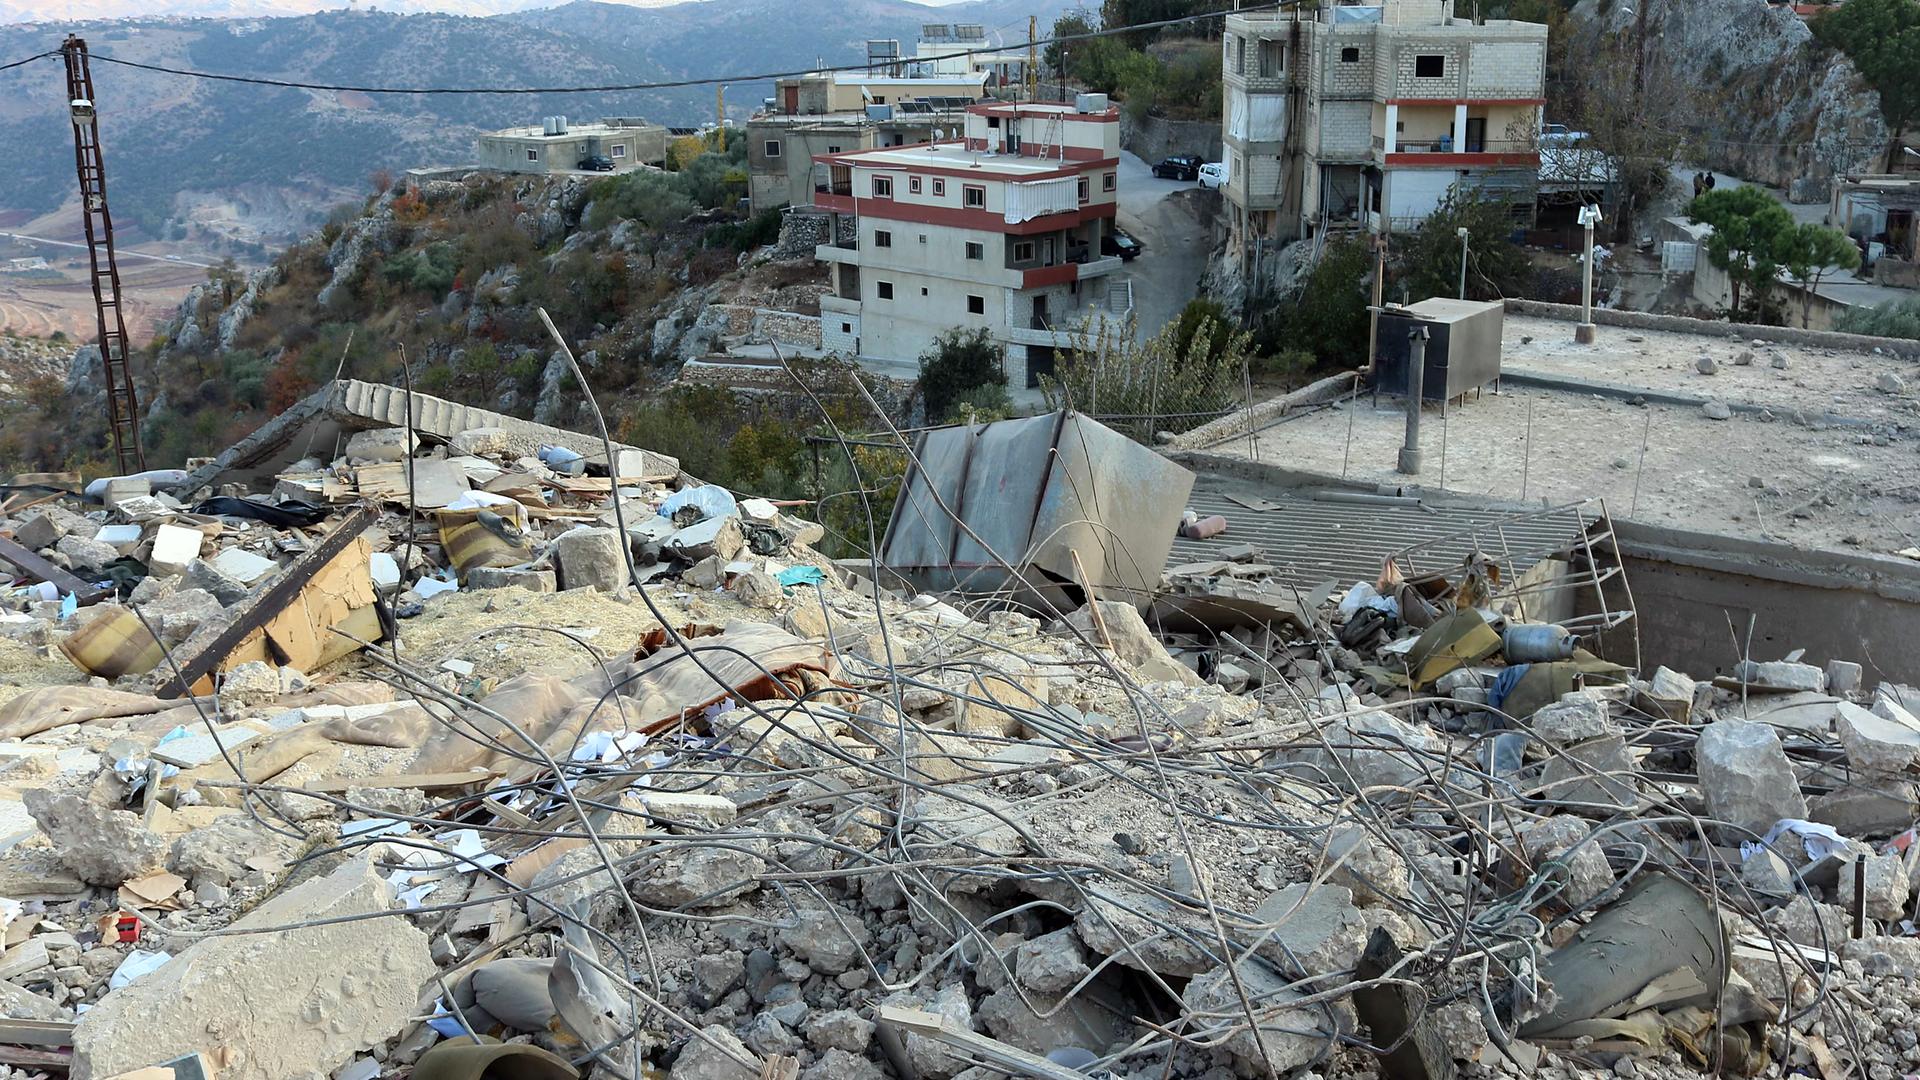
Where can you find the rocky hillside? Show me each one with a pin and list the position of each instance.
(1774, 105)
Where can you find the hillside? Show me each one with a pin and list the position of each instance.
(265, 163)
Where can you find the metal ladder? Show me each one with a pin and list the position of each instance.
(123, 407)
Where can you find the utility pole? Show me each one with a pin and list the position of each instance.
(123, 406)
(1033, 57)
(720, 115)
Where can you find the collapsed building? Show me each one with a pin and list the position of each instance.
(403, 739)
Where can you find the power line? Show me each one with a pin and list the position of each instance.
(30, 59)
(675, 84)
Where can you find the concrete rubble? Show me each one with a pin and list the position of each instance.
(675, 787)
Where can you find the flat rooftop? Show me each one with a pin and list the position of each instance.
(535, 131)
(1815, 453)
(953, 154)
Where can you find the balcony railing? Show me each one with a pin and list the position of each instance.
(836, 188)
(1445, 144)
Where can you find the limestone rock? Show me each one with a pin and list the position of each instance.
(1782, 675)
(702, 1060)
(1885, 890)
(1575, 718)
(1745, 776)
(591, 558)
(292, 1003)
(698, 877)
(1317, 930)
(219, 852)
(101, 846)
(840, 1029)
(1372, 871)
(83, 552)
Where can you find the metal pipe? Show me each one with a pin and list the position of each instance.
(1463, 262)
(1586, 281)
(1416, 388)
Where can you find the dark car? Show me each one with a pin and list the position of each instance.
(1179, 167)
(596, 163)
(1119, 243)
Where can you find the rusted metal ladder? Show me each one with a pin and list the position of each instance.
(123, 412)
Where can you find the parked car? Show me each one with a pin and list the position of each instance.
(1119, 243)
(1178, 167)
(1213, 174)
(596, 163)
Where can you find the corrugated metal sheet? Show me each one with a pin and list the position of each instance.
(1309, 541)
(1034, 198)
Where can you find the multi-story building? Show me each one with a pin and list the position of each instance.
(1000, 229)
(781, 147)
(556, 146)
(1346, 114)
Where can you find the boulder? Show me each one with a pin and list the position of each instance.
(1745, 777)
(591, 558)
(292, 1002)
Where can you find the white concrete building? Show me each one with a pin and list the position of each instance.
(554, 145)
(1341, 114)
(1001, 229)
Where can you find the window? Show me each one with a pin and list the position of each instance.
(882, 238)
(1429, 66)
(973, 196)
(532, 154)
(1269, 59)
(1350, 55)
(913, 184)
(976, 305)
(1084, 188)
(1107, 182)
(883, 289)
(846, 328)
(833, 149)
(1023, 251)
(923, 290)
(923, 238)
(993, 121)
(976, 251)
(1240, 56)
(773, 147)
(619, 150)
(879, 99)
(939, 186)
(883, 187)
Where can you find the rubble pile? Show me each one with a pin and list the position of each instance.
(443, 758)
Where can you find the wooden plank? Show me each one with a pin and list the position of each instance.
(31, 563)
(421, 781)
(36, 1032)
(257, 611)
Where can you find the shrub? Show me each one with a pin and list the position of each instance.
(1328, 317)
(959, 362)
(1895, 318)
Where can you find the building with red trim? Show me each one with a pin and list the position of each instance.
(1339, 114)
(999, 228)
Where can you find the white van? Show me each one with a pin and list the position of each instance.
(1213, 174)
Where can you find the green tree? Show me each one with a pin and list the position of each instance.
(1882, 38)
(1809, 251)
(959, 362)
(1060, 56)
(1749, 230)
(1328, 316)
(1429, 262)
(1182, 377)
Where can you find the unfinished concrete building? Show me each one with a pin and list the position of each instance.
(1368, 116)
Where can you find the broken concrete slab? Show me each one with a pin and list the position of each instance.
(1287, 1039)
(1745, 777)
(295, 1002)
(1133, 643)
(243, 566)
(1575, 718)
(102, 846)
(1884, 890)
(1883, 741)
(174, 547)
(490, 577)
(1780, 675)
(591, 558)
(1316, 930)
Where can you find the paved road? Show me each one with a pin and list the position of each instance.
(1173, 220)
(124, 253)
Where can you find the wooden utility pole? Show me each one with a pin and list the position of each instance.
(1033, 58)
(720, 115)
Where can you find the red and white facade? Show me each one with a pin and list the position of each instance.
(1000, 228)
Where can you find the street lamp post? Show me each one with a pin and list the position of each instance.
(1462, 233)
(1584, 333)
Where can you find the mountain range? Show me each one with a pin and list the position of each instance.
(263, 163)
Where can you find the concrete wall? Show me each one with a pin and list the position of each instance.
(1688, 586)
(1153, 138)
(1786, 335)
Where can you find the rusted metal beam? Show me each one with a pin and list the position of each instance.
(31, 563)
